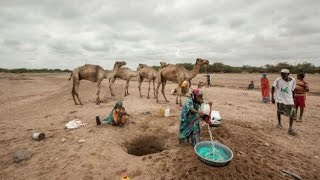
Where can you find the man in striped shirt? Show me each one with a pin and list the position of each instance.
(300, 94)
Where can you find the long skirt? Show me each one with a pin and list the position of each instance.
(193, 138)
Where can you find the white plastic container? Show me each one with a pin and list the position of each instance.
(215, 115)
(38, 136)
(205, 108)
(167, 112)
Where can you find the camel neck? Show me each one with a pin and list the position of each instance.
(195, 70)
(116, 67)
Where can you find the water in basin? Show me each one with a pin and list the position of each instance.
(216, 155)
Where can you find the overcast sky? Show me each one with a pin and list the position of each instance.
(65, 33)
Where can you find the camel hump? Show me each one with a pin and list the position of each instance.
(90, 72)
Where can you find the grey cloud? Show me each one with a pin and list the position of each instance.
(209, 20)
(66, 33)
(96, 47)
(237, 23)
(63, 47)
(8, 42)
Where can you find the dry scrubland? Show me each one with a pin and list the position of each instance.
(43, 103)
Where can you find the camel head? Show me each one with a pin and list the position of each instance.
(163, 64)
(119, 64)
(202, 61)
(140, 66)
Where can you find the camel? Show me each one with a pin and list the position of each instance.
(93, 73)
(149, 73)
(177, 73)
(125, 74)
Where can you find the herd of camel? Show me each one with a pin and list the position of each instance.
(166, 72)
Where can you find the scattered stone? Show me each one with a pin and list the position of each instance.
(63, 140)
(20, 155)
(146, 113)
(267, 144)
(81, 141)
(316, 157)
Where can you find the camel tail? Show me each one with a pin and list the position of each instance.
(70, 75)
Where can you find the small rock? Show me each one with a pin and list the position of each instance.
(20, 155)
(316, 157)
(63, 140)
(267, 144)
(81, 141)
(146, 113)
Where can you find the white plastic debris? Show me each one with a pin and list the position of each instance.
(215, 115)
(81, 141)
(73, 124)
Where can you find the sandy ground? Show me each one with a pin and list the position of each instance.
(42, 103)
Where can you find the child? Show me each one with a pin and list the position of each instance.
(300, 94)
(184, 88)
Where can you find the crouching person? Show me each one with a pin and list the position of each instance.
(118, 115)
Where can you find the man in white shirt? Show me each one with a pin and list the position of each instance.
(283, 93)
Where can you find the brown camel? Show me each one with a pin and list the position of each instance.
(149, 73)
(177, 73)
(93, 73)
(125, 74)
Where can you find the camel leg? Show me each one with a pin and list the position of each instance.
(76, 90)
(154, 89)
(162, 90)
(98, 92)
(126, 88)
(111, 80)
(178, 96)
(157, 91)
(149, 89)
(139, 86)
(73, 93)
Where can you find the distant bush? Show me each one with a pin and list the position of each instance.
(222, 68)
(24, 70)
(211, 68)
